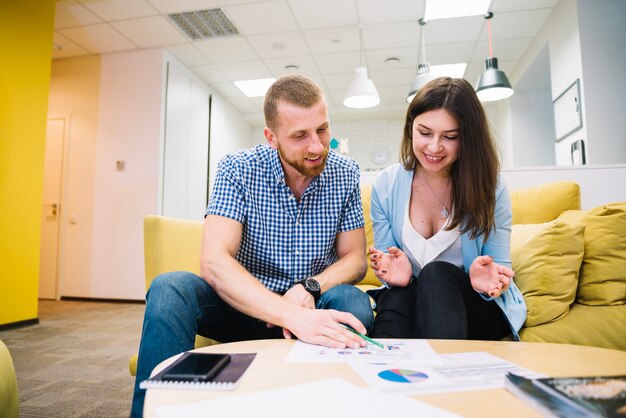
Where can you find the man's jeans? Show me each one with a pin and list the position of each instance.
(180, 305)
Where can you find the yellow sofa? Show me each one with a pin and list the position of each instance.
(9, 404)
(548, 247)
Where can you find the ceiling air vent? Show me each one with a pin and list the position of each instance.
(203, 24)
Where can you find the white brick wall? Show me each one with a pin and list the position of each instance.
(363, 138)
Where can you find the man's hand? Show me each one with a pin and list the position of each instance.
(298, 295)
(489, 277)
(393, 268)
(323, 327)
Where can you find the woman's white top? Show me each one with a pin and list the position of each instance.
(443, 246)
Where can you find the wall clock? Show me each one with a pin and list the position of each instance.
(379, 155)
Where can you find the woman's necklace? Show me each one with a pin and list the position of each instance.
(444, 210)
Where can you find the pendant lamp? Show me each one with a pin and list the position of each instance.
(492, 84)
(361, 93)
(423, 68)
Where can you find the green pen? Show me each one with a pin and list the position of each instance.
(365, 337)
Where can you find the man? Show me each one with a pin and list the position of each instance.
(283, 235)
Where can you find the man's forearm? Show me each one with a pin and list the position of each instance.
(349, 269)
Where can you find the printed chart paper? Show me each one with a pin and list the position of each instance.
(450, 373)
(395, 351)
(340, 399)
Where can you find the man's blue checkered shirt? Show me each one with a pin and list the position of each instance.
(283, 240)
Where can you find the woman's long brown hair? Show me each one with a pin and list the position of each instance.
(475, 172)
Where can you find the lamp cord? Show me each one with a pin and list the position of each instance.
(489, 33)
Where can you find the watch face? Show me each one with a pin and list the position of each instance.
(312, 285)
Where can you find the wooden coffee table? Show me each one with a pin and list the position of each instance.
(269, 370)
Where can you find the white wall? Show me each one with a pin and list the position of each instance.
(129, 129)
(185, 144)
(599, 184)
(115, 107)
(229, 133)
(602, 34)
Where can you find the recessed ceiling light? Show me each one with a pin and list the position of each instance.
(392, 60)
(291, 67)
(448, 70)
(444, 9)
(254, 88)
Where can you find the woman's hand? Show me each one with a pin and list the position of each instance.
(393, 268)
(489, 277)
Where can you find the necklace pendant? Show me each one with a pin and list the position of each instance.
(444, 212)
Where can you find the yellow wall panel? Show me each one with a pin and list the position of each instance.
(26, 30)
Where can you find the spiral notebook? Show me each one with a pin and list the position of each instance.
(227, 379)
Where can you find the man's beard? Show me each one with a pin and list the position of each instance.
(301, 166)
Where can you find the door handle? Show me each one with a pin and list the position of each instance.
(54, 207)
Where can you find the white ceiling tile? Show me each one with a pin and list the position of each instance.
(70, 13)
(119, 9)
(305, 65)
(149, 32)
(227, 49)
(449, 53)
(100, 38)
(265, 17)
(338, 81)
(244, 105)
(324, 13)
(331, 40)
(228, 90)
(498, 6)
(516, 25)
(279, 45)
(180, 6)
(188, 55)
(390, 35)
(393, 94)
(377, 11)
(505, 49)
(337, 63)
(376, 59)
(393, 77)
(461, 29)
(212, 74)
(68, 48)
(245, 70)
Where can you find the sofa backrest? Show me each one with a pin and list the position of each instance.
(544, 203)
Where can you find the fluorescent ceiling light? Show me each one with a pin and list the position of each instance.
(254, 88)
(448, 70)
(444, 9)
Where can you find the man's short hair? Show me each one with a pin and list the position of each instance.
(297, 90)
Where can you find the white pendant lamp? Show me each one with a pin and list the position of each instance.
(361, 93)
(423, 68)
(493, 84)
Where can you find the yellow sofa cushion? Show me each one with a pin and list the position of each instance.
(543, 203)
(366, 193)
(546, 259)
(603, 271)
(600, 326)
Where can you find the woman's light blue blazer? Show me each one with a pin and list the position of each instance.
(391, 192)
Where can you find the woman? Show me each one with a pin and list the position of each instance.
(442, 226)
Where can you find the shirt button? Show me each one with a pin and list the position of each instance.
(297, 252)
(292, 197)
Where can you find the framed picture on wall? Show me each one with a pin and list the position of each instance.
(568, 117)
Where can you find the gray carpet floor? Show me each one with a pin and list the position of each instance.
(74, 363)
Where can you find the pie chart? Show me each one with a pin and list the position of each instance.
(403, 376)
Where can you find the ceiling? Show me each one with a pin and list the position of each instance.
(320, 37)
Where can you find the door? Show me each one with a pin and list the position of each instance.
(51, 210)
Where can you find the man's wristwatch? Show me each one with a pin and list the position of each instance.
(312, 286)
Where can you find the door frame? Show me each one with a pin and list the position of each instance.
(62, 228)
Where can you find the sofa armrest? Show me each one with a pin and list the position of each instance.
(9, 404)
(171, 244)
